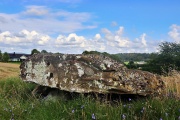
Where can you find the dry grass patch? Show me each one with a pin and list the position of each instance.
(8, 70)
(172, 83)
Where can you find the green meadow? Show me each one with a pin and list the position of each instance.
(17, 103)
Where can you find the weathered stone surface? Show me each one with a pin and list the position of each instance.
(88, 73)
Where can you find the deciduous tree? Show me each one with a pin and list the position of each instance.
(5, 57)
(44, 51)
(34, 51)
(167, 59)
(0, 55)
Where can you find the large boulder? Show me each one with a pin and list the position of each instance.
(88, 73)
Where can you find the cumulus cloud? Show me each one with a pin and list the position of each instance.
(77, 44)
(120, 31)
(23, 40)
(108, 41)
(116, 39)
(175, 33)
(72, 40)
(117, 42)
(97, 37)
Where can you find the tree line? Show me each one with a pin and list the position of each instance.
(35, 51)
(134, 56)
(4, 57)
(167, 59)
(162, 62)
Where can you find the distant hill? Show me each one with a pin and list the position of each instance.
(134, 56)
(123, 56)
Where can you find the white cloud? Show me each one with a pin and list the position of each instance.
(46, 20)
(77, 44)
(8, 38)
(43, 40)
(120, 31)
(106, 31)
(116, 39)
(72, 40)
(114, 23)
(108, 36)
(143, 40)
(108, 41)
(116, 42)
(97, 37)
(175, 33)
(24, 37)
(36, 11)
(3, 35)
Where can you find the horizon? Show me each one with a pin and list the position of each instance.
(72, 27)
(68, 53)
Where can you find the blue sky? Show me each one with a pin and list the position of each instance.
(72, 26)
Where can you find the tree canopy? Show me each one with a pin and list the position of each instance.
(34, 51)
(0, 55)
(44, 51)
(167, 59)
(5, 57)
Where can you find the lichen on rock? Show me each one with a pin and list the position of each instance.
(88, 73)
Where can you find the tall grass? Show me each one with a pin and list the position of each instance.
(16, 102)
(172, 82)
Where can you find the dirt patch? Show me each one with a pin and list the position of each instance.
(9, 70)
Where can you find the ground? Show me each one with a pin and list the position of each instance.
(9, 70)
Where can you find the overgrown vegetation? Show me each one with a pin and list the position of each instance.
(166, 60)
(17, 103)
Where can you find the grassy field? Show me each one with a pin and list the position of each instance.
(17, 103)
(8, 70)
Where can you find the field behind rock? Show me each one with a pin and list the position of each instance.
(8, 70)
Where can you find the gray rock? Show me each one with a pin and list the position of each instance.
(88, 73)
